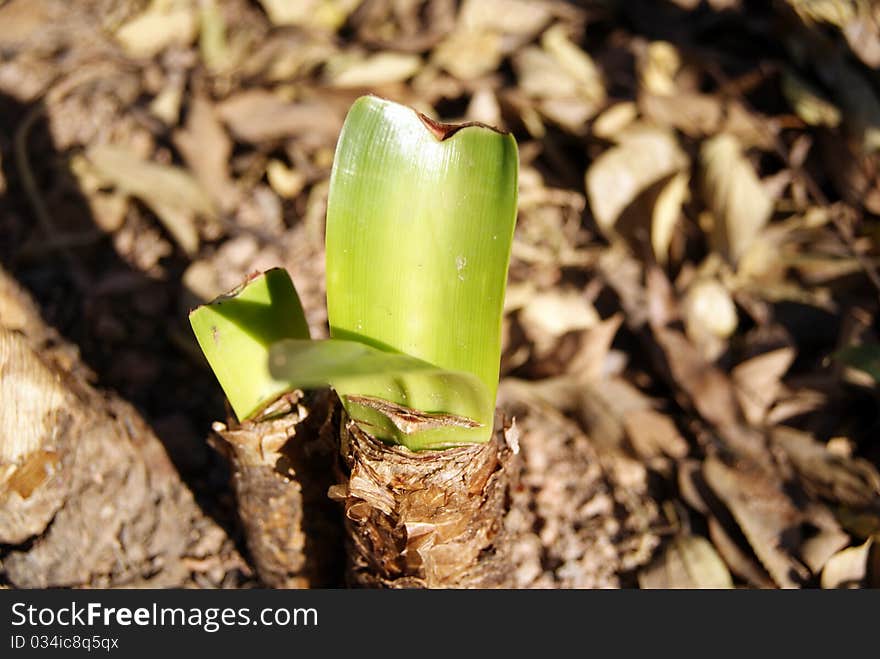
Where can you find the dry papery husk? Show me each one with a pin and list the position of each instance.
(281, 471)
(429, 519)
(88, 495)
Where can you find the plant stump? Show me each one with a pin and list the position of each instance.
(282, 469)
(428, 519)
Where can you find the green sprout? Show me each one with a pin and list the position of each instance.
(420, 221)
(236, 331)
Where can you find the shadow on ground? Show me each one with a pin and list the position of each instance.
(130, 326)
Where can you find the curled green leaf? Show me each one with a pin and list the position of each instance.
(395, 397)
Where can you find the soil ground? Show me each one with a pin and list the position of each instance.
(691, 337)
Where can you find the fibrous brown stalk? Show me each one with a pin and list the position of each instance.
(428, 519)
(282, 468)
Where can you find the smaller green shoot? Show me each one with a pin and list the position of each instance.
(236, 331)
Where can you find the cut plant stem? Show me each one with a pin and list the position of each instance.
(282, 465)
(420, 220)
(281, 462)
(428, 519)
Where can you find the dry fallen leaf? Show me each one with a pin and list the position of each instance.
(687, 562)
(707, 387)
(257, 115)
(615, 119)
(758, 382)
(733, 192)
(808, 103)
(163, 24)
(659, 67)
(21, 19)
(590, 360)
(285, 181)
(575, 62)
(166, 104)
(824, 539)
(486, 31)
(570, 113)
(322, 14)
(653, 434)
(849, 481)
(550, 314)
(378, 69)
(564, 80)
(483, 107)
(603, 408)
(836, 12)
(737, 556)
(667, 211)
(171, 192)
(108, 210)
(694, 114)
(284, 57)
(863, 35)
(469, 54)
(540, 74)
(206, 149)
(522, 18)
(213, 44)
(710, 316)
(765, 514)
(854, 19)
(554, 393)
(802, 401)
(621, 173)
(854, 567)
(857, 98)
(705, 115)
(692, 486)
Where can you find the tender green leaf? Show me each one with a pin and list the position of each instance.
(236, 331)
(420, 222)
(394, 396)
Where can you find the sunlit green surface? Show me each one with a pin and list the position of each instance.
(235, 332)
(419, 232)
(354, 368)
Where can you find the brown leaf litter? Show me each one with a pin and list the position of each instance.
(696, 242)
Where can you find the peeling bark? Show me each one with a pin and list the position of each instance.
(429, 519)
(282, 468)
(88, 495)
